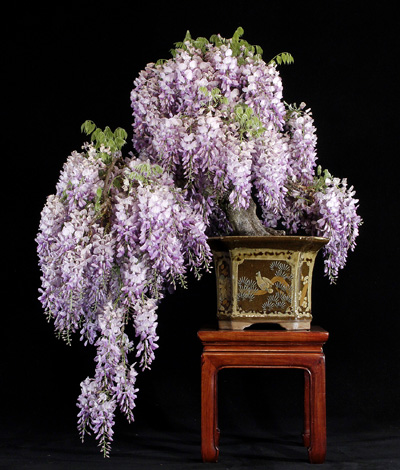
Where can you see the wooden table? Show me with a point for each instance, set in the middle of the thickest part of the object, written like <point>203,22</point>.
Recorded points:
<point>301,349</point>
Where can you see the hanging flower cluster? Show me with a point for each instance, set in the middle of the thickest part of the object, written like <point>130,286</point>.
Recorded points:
<point>214,117</point>
<point>113,238</point>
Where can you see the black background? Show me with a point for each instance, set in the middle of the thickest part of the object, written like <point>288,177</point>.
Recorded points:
<point>65,64</point>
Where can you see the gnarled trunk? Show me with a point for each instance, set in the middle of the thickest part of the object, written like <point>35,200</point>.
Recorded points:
<point>246,222</point>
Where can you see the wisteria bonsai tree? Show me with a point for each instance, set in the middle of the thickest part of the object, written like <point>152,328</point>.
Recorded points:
<point>216,150</point>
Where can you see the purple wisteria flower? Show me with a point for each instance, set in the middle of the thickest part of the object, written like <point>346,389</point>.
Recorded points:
<point>116,235</point>
<point>214,117</point>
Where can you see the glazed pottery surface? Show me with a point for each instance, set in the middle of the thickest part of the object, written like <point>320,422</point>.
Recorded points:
<point>264,280</point>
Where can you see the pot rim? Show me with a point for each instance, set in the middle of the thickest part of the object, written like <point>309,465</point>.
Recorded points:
<point>289,242</point>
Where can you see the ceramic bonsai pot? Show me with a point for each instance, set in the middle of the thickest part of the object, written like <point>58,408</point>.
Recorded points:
<point>264,280</point>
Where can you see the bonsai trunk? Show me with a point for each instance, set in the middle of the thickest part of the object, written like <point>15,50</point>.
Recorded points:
<point>246,222</point>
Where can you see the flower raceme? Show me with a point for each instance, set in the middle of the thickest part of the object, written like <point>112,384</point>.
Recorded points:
<point>214,117</point>
<point>103,270</point>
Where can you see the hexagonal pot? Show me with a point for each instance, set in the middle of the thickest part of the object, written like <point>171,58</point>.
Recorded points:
<point>264,280</point>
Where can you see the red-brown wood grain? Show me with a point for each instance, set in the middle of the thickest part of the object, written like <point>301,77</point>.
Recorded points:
<point>265,349</point>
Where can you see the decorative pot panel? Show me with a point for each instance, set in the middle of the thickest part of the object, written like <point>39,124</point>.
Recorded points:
<point>264,280</point>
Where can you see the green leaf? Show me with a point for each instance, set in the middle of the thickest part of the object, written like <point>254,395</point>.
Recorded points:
<point>237,34</point>
<point>108,133</point>
<point>121,133</point>
<point>88,127</point>
<point>105,157</point>
<point>110,144</point>
<point>120,142</point>
<point>248,47</point>
<point>157,169</point>
<point>238,111</point>
<point>200,43</point>
<point>216,40</point>
<point>282,58</point>
<point>235,49</point>
<point>97,136</point>
<point>259,50</point>
<point>117,183</point>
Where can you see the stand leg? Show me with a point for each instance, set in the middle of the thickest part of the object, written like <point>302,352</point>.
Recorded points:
<point>209,413</point>
<point>306,432</point>
<point>317,448</point>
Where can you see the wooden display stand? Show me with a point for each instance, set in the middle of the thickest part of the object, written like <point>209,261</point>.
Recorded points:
<point>265,349</point>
